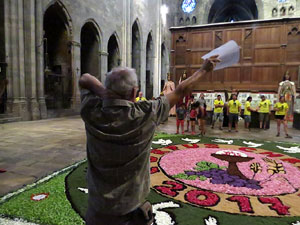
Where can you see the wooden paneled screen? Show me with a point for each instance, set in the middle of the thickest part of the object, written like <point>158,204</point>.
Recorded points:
<point>267,49</point>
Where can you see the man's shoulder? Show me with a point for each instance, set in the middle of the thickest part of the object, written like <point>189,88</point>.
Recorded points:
<point>152,103</point>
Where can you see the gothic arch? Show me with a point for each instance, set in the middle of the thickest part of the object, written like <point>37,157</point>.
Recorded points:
<point>227,10</point>
<point>149,65</point>
<point>90,39</point>
<point>136,48</point>
<point>138,23</point>
<point>114,53</point>
<point>96,27</point>
<point>66,15</point>
<point>58,72</point>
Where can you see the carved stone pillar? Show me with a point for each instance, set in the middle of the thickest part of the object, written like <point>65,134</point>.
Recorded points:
<point>157,53</point>
<point>30,60</point>
<point>76,75</point>
<point>16,59</point>
<point>8,51</point>
<point>24,113</point>
<point>104,56</point>
<point>40,58</point>
<point>143,68</point>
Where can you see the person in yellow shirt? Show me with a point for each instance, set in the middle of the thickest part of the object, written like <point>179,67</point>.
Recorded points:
<point>264,112</point>
<point>281,108</point>
<point>233,111</point>
<point>218,112</point>
<point>247,112</point>
<point>140,98</point>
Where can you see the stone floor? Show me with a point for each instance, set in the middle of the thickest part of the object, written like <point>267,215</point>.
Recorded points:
<point>34,149</point>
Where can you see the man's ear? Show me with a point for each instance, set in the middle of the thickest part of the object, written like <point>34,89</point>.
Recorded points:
<point>133,93</point>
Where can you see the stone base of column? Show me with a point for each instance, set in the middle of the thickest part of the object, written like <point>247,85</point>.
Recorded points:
<point>42,108</point>
<point>35,111</point>
<point>20,109</point>
<point>9,106</point>
<point>75,105</point>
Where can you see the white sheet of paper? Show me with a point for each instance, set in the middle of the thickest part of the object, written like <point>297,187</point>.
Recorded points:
<point>229,54</point>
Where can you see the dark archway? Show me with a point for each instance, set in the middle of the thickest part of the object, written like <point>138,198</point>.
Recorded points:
<point>232,10</point>
<point>3,91</point>
<point>113,53</point>
<point>149,66</point>
<point>58,58</point>
<point>90,48</point>
<point>136,51</point>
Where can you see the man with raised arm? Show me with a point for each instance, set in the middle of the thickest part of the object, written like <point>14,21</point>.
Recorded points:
<point>119,136</point>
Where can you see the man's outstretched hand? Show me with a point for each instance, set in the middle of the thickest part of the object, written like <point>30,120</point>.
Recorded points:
<point>210,63</point>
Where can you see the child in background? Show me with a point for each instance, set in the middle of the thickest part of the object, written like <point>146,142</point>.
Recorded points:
<point>180,115</point>
<point>202,114</point>
<point>189,107</point>
<point>193,116</point>
<point>281,109</point>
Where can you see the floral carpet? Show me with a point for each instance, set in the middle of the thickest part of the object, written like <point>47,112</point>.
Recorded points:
<point>194,181</point>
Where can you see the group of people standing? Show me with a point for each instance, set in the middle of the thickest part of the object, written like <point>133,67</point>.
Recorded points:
<point>195,110</point>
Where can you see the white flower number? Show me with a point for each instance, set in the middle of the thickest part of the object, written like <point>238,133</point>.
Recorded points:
<point>85,190</point>
<point>39,197</point>
<point>290,150</point>
<point>161,217</point>
<point>252,144</point>
<point>191,141</point>
<point>211,221</point>
<point>229,142</point>
<point>296,223</point>
<point>162,142</point>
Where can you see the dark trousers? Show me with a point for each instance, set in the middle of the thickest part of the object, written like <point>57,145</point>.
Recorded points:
<point>140,216</point>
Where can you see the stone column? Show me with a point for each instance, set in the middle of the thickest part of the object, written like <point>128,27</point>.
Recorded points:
<point>17,59</point>
<point>20,32</point>
<point>103,61</point>
<point>157,53</point>
<point>143,66</point>
<point>14,58</point>
<point>76,73</point>
<point>8,51</point>
<point>129,34</point>
<point>126,40</point>
<point>99,77</point>
<point>30,60</point>
<point>39,43</point>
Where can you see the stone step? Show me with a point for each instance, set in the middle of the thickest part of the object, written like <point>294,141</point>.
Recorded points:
<point>5,115</point>
<point>9,119</point>
<point>61,113</point>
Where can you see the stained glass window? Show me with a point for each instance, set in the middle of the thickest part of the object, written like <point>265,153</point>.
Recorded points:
<point>188,5</point>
